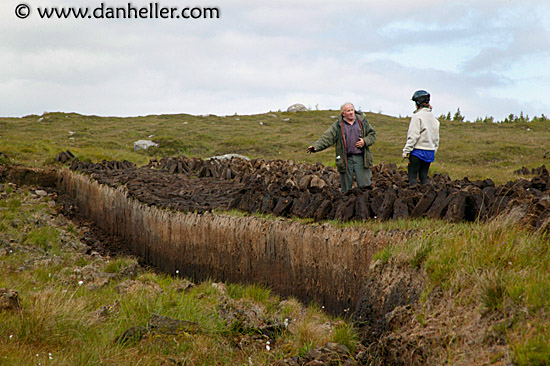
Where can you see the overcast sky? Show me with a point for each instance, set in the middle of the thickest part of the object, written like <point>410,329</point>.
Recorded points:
<point>488,58</point>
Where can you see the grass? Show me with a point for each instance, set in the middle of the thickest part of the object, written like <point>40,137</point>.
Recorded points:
<point>64,320</point>
<point>498,268</point>
<point>473,150</point>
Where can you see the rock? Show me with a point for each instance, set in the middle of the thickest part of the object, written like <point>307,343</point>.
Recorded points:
<point>331,354</point>
<point>9,299</point>
<point>158,324</point>
<point>105,311</point>
<point>168,326</point>
<point>130,271</point>
<point>133,286</point>
<point>144,145</point>
<point>337,348</point>
<point>243,317</point>
<point>220,287</point>
<point>297,108</point>
<point>292,361</point>
<point>41,193</point>
<point>91,276</point>
<point>183,286</point>
<point>229,157</point>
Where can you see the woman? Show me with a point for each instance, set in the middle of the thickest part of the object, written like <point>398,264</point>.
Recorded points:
<point>422,139</point>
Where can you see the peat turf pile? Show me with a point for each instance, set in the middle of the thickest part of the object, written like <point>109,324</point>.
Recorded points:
<point>286,188</point>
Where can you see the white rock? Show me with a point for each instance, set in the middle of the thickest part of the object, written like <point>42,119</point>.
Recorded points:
<point>229,156</point>
<point>41,193</point>
<point>297,108</point>
<point>144,144</point>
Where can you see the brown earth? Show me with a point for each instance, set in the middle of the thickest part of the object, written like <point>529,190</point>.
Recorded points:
<point>441,330</point>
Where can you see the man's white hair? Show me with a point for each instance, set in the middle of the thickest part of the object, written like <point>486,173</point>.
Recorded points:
<point>345,105</point>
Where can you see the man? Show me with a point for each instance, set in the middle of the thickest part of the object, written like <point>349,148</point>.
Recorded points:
<point>352,135</point>
<point>422,139</point>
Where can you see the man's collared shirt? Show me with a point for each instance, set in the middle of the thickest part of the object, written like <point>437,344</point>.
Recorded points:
<point>353,134</point>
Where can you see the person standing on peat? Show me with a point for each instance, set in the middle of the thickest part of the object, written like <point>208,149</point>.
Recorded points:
<point>422,139</point>
<point>352,135</point>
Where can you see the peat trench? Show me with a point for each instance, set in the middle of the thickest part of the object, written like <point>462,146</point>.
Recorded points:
<point>169,223</point>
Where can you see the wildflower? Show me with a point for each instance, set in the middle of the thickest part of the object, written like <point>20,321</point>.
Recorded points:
<point>80,283</point>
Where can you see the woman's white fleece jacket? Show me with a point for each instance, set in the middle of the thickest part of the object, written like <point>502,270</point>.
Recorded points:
<point>423,131</point>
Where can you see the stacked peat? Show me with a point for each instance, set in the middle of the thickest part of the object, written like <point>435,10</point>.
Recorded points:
<point>286,188</point>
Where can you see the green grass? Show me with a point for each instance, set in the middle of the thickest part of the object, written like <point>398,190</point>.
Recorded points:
<point>498,268</point>
<point>474,150</point>
<point>45,238</point>
<point>60,323</point>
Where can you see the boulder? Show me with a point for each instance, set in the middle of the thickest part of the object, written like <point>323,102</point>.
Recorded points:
<point>297,108</point>
<point>144,145</point>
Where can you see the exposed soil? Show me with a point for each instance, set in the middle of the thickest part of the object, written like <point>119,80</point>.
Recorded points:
<point>440,330</point>
<point>95,239</point>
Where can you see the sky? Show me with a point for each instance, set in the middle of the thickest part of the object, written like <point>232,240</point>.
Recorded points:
<point>485,57</point>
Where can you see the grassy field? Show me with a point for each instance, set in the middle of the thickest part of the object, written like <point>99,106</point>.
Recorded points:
<point>499,269</point>
<point>70,318</point>
<point>473,150</point>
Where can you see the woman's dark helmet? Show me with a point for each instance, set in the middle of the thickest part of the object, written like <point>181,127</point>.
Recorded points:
<point>421,97</point>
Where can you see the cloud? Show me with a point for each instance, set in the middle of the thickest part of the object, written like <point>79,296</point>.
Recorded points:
<point>526,42</point>
<point>486,57</point>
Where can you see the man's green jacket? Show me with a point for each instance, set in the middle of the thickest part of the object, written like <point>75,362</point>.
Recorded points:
<point>335,135</point>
